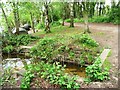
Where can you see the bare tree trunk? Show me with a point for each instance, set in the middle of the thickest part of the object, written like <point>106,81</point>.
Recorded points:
<point>32,22</point>
<point>6,20</point>
<point>71,15</point>
<point>16,17</point>
<point>85,15</point>
<point>86,24</point>
<point>63,15</point>
<point>47,23</point>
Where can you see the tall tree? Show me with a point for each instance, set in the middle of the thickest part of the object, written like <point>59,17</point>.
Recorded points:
<point>47,23</point>
<point>85,5</point>
<point>63,14</point>
<point>71,14</point>
<point>6,20</point>
<point>16,16</point>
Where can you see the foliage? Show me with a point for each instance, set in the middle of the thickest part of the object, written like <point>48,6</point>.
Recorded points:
<point>86,40</point>
<point>54,73</point>
<point>99,19</point>
<point>26,80</point>
<point>8,49</point>
<point>55,23</point>
<point>94,72</point>
<point>114,15</point>
<point>10,42</point>
<point>6,78</point>
<point>44,49</point>
<point>40,26</point>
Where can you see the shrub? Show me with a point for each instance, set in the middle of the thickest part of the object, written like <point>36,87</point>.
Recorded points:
<point>100,19</point>
<point>55,23</point>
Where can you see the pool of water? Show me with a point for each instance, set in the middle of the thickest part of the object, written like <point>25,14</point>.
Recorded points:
<point>75,70</point>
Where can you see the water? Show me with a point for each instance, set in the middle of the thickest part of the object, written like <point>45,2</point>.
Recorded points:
<point>75,70</point>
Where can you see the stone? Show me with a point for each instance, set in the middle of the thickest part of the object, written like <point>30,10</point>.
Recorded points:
<point>104,55</point>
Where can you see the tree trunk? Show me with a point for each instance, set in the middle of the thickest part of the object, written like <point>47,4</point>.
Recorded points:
<point>6,20</point>
<point>47,23</point>
<point>71,15</point>
<point>85,15</point>
<point>86,24</point>
<point>32,22</point>
<point>100,9</point>
<point>16,17</point>
<point>97,9</point>
<point>63,15</point>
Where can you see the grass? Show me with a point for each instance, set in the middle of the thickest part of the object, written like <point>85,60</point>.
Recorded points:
<point>59,30</point>
<point>107,64</point>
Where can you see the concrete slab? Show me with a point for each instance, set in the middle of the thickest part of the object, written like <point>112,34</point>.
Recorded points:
<point>104,55</point>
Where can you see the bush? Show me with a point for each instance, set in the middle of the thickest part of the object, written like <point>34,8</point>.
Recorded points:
<point>55,23</point>
<point>99,19</point>
<point>68,20</point>
<point>114,15</point>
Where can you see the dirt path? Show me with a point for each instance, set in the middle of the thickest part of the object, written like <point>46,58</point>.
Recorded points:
<point>107,36</point>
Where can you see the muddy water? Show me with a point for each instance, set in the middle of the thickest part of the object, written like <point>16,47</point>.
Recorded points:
<point>75,70</point>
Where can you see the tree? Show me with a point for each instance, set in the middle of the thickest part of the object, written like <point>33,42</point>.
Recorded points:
<point>63,13</point>
<point>6,20</point>
<point>47,23</point>
<point>85,5</point>
<point>16,16</point>
<point>92,8</point>
<point>71,15</point>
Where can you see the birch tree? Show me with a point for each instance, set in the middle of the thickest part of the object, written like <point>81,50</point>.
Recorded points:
<point>71,14</point>
<point>16,16</point>
<point>47,23</point>
<point>5,17</point>
<point>85,5</point>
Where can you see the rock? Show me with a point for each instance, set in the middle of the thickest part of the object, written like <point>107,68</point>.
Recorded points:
<point>80,79</point>
<point>115,78</point>
<point>21,30</point>
<point>13,59</point>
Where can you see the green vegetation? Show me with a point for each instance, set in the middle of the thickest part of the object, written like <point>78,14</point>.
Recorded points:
<point>10,42</point>
<point>95,72</point>
<point>50,48</point>
<point>57,43</point>
<point>96,19</point>
<point>54,73</point>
